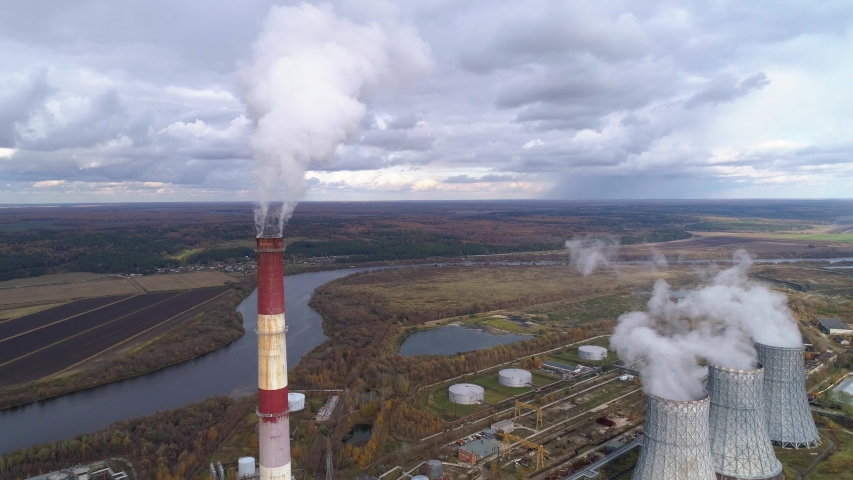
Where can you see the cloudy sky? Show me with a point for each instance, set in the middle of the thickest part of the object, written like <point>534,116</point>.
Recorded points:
<point>141,101</point>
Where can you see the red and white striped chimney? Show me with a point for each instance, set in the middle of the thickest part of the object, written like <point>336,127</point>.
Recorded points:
<point>274,429</point>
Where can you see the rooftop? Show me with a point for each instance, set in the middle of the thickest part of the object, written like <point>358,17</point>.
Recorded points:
<point>833,324</point>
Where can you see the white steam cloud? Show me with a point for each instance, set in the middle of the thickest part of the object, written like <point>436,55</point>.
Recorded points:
<point>717,323</point>
<point>589,253</point>
<point>305,86</point>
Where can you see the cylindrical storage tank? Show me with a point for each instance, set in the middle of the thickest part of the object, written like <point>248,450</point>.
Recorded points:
<point>420,477</point>
<point>676,441</point>
<point>295,402</point>
<point>433,469</point>
<point>466,393</point>
<point>592,352</point>
<point>245,466</point>
<point>515,377</point>
<point>790,422</point>
<point>740,444</point>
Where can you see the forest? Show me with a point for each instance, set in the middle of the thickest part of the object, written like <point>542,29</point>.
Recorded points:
<point>141,238</point>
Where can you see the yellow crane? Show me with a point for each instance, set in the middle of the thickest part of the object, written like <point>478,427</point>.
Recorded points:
<point>509,438</point>
<point>519,406</point>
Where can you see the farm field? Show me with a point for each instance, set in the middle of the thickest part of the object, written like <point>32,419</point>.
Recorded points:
<point>68,291</point>
<point>52,279</point>
<point>182,281</point>
<point>30,346</point>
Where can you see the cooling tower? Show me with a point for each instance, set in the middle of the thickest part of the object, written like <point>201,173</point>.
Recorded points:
<point>740,444</point>
<point>789,419</point>
<point>274,425</point>
<point>676,442</point>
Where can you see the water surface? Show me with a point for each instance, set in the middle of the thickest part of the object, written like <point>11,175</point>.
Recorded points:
<point>452,339</point>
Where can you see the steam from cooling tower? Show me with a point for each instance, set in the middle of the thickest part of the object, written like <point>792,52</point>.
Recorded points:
<point>717,322</point>
<point>590,253</point>
<point>305,86</point>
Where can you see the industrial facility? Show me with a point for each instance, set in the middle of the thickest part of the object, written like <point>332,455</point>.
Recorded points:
<point>676,441</point>
<point>515,377</point>
<point>592,353</point>
<point>740,443</point>
<point>790,421</point>
<point>466,393</point>
<point>273,400</point>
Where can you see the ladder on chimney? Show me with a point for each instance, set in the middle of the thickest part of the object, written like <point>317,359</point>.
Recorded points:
<point>329,467</point>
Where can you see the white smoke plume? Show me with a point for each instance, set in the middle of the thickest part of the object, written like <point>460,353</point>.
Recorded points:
<point>717,323</point>
<point>590,253</point>
<point>658,259</point>
<point>310,72</point>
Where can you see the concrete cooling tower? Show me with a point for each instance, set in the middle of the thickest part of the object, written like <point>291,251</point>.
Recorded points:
<point>676,442</point>
<point>790,421</point>
<point>740,444</point>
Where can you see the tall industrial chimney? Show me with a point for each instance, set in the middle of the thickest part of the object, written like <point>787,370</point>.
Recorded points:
<point>274,428</point>
<point>676,442</point>
<point>740,444</point>
<point>789,418</point>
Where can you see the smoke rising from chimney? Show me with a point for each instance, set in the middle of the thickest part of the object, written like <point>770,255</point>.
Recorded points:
<point>717,323</point>
<point>305,86</point>
<point>590,253</point>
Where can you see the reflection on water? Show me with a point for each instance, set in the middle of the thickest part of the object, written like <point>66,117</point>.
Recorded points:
<point>452,339</point>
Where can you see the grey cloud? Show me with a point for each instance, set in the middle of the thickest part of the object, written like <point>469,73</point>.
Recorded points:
<point>19,105</point>
<point>397,140</point>
<point>726,89</point>
<point>404,122</point>
<point>490,178</point>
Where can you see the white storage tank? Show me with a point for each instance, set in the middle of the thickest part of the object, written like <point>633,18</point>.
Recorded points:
<point>592,352</point>
<point>466,393</point>
<point>295,402</point>
<point>420,477</point>
<point>515,377</point>
<point>245,467</point>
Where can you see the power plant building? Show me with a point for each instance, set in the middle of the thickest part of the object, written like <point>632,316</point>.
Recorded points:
<point>740,443</point>
<point>676,441</point>
<point>515,377</point>
<point>466,393</point>
<point>790,422</point>
<point>592,353</point>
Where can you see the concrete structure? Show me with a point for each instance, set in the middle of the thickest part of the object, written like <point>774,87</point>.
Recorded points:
<point>740,443</point>
<point>466,393</point>
<point>846,386</point>
<point>506,426</point>
<point>295,402</point>
<point>790,422</point>
<point>245,467</point>
<point>515,377</point>
<point>592,353</point>
<point>834,326</point>
<point>676,441</point>
<point>274,425</point>
<point>434,469</point>
<point>94,471</point>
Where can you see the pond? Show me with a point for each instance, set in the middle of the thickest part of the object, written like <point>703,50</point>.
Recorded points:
<point>359,434</point>
<point>453,339</point>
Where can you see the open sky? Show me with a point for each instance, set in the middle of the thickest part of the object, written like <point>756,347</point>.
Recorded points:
<point>141,100</point>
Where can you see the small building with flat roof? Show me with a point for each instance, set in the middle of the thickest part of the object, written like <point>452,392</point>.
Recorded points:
<point>834,326</point>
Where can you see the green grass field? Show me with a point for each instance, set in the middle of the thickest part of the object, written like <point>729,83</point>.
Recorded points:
<point>817,237</point>
<point>51,279</point>
<point>507,325</point>
<point>490,383</point>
